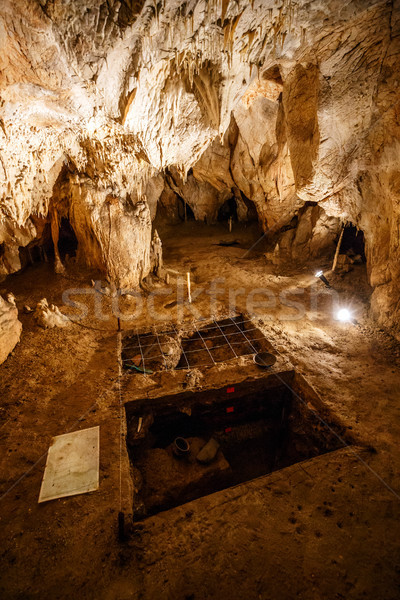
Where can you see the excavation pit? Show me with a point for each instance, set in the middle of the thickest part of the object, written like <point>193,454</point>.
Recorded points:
<point>235,434</point>
<point>197,345</point>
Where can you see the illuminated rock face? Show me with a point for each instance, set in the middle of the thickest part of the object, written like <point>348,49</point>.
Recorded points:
<point>109,108</point>
<point>10,328</point>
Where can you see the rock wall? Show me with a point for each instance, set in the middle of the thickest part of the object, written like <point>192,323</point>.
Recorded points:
<point>111,108</point>
<point>10,328</point>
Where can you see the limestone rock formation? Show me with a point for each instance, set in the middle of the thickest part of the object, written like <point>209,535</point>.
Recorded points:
<point>112,110</point>
<point>49,316</point>
<point>156,254</point>
<point>312,233</point>
<point>10,327</point>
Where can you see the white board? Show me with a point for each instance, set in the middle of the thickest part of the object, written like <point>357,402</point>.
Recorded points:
<point>72,465</point>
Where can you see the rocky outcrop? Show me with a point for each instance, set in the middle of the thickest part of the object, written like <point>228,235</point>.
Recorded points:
<point>49,316</point>
<point>10,327</point>
<point>110,110</point>
<point>312,234</point>
<point>113,233</point>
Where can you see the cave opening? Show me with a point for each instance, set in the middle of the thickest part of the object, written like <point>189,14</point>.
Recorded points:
<point>67,242</point>
<point>36,253</point>
<point>228,210</point>
<point>39,250</point>
<point>353,242</point>
<point>185,213</point>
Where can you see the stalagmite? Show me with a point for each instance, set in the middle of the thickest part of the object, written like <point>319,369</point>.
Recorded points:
<point>49,316</point>
<point>55,234</point>
<point>156,254</point>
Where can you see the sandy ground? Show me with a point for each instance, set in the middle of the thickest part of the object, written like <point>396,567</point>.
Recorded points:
<point>323,529</point>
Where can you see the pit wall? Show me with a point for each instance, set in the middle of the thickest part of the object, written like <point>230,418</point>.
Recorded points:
<point>311,428</point>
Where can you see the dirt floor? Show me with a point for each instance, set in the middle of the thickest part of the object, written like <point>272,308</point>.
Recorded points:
<point>325,528</point>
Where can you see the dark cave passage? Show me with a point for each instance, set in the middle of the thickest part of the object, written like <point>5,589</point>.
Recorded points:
<point>353,242</point>
<point>228,210</point>
<point>185,213</point>
<point>67,243</point>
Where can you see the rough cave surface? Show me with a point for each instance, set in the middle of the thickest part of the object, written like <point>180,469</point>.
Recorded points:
<point>10,328</point>
<point>114,111</point>
<point>131,133</point>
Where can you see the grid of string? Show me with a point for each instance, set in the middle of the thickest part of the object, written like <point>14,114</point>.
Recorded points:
<point>235,337</point>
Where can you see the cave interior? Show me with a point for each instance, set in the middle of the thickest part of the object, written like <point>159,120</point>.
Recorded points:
<point>200,257</point>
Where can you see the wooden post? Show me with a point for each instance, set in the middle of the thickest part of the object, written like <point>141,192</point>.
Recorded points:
<point>337,249</point>
<point>188,287</point>
<point>230,224</point>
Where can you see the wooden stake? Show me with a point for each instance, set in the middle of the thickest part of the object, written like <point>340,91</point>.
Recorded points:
<point>337,249</point>
<point>188,287</point>
<point>230,224</point>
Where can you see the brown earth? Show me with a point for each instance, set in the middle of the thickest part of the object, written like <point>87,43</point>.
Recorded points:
<point>327,528</point>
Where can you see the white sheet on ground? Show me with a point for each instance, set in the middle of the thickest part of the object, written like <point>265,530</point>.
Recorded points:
<point>72,465</point>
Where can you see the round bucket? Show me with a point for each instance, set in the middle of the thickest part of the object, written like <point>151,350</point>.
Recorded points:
<point>264,359</point>
<point>181,447</point>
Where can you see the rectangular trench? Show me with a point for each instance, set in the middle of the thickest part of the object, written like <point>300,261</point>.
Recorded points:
<point>235,433</point>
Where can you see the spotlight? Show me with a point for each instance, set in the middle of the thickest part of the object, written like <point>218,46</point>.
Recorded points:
<point>320,275</point>
<point>344,315</point>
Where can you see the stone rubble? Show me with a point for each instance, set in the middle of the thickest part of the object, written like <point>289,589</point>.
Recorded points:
<point>49,316</point>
